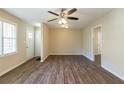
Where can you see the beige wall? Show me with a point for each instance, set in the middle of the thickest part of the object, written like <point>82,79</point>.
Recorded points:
<point>9,62</point>
<point>112,42</point>
<point>65,42</point>
<point>45,35</point>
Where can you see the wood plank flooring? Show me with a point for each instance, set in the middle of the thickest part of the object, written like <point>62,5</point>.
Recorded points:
<point>59,70</point>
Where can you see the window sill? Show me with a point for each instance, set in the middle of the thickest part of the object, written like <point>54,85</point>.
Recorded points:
<point>9,54</point>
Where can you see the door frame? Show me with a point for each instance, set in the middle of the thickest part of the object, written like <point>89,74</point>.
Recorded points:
<point>92,41</point>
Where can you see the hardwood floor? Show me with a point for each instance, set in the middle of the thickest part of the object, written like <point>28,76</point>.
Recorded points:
<point>59,70</point>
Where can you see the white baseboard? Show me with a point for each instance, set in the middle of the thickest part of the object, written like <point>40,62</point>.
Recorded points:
<point>104,67</point>
<point>42,60</point>
<point>89,57</point>
<point>4,72</point>
<point>113,72</point>
<point>65,53</point>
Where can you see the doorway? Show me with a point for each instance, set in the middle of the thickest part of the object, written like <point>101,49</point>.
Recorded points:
<point>97,44</point>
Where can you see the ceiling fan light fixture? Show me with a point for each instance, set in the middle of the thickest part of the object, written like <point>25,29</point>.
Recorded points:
<point>62,21</point>
<point>63,16</point>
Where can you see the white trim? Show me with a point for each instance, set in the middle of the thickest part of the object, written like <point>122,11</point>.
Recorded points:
<point>42,60</point>
<point>8,54</point>
<point>107,69</point>
<point>89,57</point>
<point>114,73</point>
<point>16,38</point>
<point>65,53</point>
<point>4,72</point>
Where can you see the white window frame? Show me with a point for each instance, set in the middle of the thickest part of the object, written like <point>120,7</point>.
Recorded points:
<point>13,23</point>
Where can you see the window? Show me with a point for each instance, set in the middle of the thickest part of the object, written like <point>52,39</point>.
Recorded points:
<point>7,38</point>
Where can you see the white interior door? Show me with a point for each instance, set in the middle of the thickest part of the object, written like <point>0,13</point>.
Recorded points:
<point>38,41</point>
<point>30,43</point>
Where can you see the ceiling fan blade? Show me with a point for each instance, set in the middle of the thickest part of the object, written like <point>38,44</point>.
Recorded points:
<point>73,18</point>
<point>52,19</point>
<point>71,11</point>
<point>53,13</point>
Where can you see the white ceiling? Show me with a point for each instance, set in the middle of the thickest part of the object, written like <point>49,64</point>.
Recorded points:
<point>39,15</point>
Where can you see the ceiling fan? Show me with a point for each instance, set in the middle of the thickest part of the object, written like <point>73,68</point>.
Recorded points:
<point>63,15</point>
